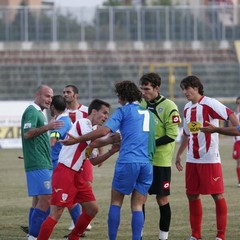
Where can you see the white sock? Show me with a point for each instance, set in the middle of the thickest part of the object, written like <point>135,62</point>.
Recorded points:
<point>163,235</point>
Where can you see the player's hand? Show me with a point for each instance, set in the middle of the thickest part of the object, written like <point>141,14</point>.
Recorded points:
<point>55,124</point>
<point>178,164</point>
<point>208,129</point>
<point>69,140</point>
<point>115,148</point>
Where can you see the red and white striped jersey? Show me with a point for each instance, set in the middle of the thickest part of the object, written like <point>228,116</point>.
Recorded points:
<point>203,147</point>
<point>80,112</point>
<point>72,156</point>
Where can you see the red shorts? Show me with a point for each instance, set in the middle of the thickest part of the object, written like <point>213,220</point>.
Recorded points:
<point>204,178</point>
<point>236,150</point>
<point>87,170</point>
<point>69,187</point>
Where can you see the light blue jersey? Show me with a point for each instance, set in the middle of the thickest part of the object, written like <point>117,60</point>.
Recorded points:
<point>137,128</point>
<point>59,134</point>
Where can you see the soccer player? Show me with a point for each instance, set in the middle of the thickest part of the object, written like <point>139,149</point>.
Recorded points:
<point>236,145</point>
<point>77,111</point>
<point>57,109</point>
<point>167,119</point>
<point>203,164</point>
<point>68,183</point>
<point>133,170</point>
<point>37,160</point>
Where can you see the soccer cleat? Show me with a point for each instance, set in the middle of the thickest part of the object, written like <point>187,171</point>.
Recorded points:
<point>238,185</point>
<point>217,238</point>
<point>193,238</point>
<point>89,227</point>
<point>24,229</point>
<point>71,227</point>
<point>31,238</point>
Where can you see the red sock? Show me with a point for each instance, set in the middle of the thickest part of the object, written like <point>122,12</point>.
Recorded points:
<point>46,229</point>
<point>221,217</point>
<point>238,173</point>
<point>195,208</point>
<point>80,226</point>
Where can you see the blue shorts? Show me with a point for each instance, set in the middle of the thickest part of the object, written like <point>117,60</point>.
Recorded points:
<point>39,182</point>
<point>132,176</point>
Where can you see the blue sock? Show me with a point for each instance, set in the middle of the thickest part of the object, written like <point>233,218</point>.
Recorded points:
<point>137,224</point>
<point>75,213</point>
<point>30,216</point>
<point>38,217</point>
<point>113,221</point>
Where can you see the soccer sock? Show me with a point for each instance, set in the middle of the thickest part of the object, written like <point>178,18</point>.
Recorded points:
<point>221,217</point>
<point>46,228</point>
<point>80,226</point>
<point>165,217</point>
<point>75,212</point>
<point>38,216</point>
<point>113,221</point>
<point>195,208</point>
<point>30,215</point>
<point>238,174</point>
<point>137,224</point>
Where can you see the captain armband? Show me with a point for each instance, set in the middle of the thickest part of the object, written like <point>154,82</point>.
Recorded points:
<point>55,135</point>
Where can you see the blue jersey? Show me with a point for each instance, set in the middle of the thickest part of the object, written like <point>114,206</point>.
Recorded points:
<point>60,134</point>
<point>137,130</point>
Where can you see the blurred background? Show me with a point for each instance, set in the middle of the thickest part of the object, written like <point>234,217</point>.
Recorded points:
<point>93,44</point>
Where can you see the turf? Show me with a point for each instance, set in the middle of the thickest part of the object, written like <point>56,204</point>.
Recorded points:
<point>14,202</point>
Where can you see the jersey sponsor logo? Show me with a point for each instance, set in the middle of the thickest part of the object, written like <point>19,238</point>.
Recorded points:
<point>194,127</point>
<point>216,179</point>
<point>47,184</point>
<point>166,185</point>
<point>27,125</point>
<point>175,119</point>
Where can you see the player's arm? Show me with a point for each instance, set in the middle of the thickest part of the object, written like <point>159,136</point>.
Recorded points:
<point>99,132</point>
<point>171,129</point>
<point>34,132</point>
<point>180,151</point>
<point>110,138</point>
<point>101,158</point>
<point>54,137</point>
<point>229,131</point>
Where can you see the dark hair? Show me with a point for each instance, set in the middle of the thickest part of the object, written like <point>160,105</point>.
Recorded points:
<point>238,98</point>
<point>74,88</point>
<point>192,81</point>
<point>97,104</point>
<point>59,103</point>
<point>153,78</point>
<point>127,90</point>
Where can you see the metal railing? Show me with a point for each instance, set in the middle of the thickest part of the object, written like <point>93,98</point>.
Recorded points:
<point>175,23</point>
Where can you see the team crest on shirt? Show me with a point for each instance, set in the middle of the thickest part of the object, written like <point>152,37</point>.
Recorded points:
<point>47,184</point>
<point>160,110</point>
<point>27,125</point>
<point>193,127</point>
<point>175,119</point>
<point>64,197</point>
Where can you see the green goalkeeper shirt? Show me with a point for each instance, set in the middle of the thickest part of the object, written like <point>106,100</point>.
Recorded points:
<point>167,119</point>
<point>36,150</point>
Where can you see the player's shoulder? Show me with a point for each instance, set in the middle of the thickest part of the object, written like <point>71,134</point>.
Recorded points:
<point>83,108</point>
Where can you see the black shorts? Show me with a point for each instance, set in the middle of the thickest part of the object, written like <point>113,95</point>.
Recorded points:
<point>161,181</point>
